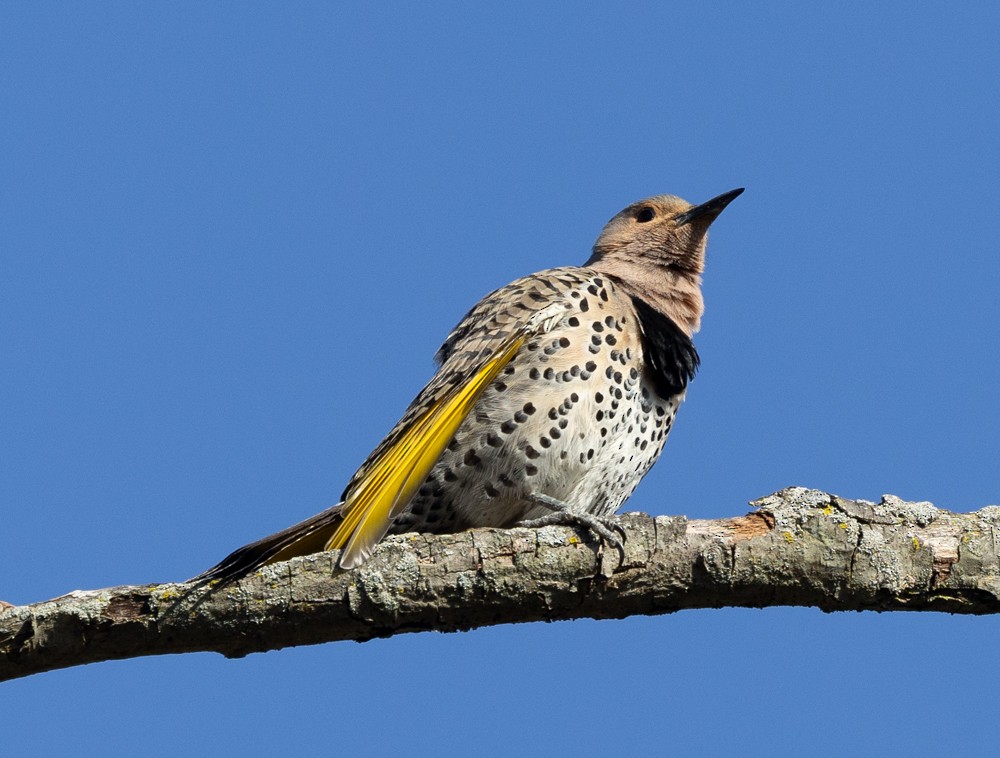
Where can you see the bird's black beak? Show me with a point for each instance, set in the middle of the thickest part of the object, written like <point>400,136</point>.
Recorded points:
<point>707,212</point>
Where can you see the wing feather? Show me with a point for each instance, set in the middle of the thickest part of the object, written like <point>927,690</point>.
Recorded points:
<point>392,479</point>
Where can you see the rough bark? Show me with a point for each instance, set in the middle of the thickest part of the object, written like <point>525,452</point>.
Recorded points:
<point>799,547</point>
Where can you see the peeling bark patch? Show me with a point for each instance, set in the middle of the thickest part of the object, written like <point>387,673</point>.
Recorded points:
<point>865,512</point>
<point>752,525</point>
<point>127,608</point>
<point>941,569</point>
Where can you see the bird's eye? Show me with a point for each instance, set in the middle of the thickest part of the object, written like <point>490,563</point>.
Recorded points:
<point>645,214</point>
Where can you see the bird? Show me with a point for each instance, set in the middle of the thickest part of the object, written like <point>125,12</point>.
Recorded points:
<point>552,398</point>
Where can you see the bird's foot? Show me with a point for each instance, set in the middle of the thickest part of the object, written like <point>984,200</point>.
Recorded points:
<point>562,515</point>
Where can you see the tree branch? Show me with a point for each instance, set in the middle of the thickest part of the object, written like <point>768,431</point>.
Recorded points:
<point>799,547</point>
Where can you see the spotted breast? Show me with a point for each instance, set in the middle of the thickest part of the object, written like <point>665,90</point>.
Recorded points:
<point>579,414</point>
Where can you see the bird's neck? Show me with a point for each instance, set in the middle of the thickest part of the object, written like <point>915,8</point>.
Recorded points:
<point>675,294</point>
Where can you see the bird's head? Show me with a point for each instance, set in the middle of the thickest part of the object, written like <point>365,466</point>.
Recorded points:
<point>662,230</point>
<point>656,247</point>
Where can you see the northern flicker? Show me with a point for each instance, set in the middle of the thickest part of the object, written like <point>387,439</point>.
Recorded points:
<point>553,397</point>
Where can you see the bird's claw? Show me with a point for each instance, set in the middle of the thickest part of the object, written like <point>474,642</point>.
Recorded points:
<point>604,527</point>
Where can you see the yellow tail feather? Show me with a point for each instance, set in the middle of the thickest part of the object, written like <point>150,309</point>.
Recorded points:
<point>394,478</point>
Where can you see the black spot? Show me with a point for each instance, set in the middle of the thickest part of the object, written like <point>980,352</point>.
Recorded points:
<point>510,369</point>
<point>563,342</point>
<point>506,480</point>
<point>574,398</point>
<point>553,414</point>
<point>530,470</point>
<point>507,427</point>
<point>611,339</point>
<point>549,373</point>
<point>450,476</point>
<point>520,417</point>
<point>563,422</point>
<point>599,415</point>
<point>531,452</point>
<point>490,490</point>
<point>471,459</point>
<point>598,397</point>
<point>555,433</point>
<point>598,326</point>
<point>573,321</point>
<point>544,442</point>
<point>499,386</point>
<point>528,408</point>
<point>592,289</point>
<point>584,305</point>
<point>493,440</point>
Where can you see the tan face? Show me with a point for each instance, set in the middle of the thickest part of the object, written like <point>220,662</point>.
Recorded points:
<point>648,232</point>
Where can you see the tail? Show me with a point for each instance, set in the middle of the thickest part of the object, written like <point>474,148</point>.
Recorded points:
<point>309,536</point>
<point>381,489</point>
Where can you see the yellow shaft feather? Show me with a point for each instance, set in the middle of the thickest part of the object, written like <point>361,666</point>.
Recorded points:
<point>394,478</point>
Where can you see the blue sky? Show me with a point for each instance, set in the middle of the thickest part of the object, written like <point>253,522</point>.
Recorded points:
<point>233,235</point>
